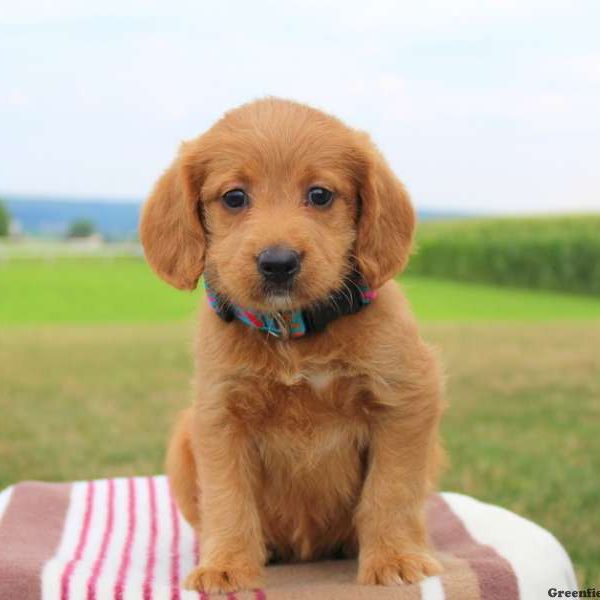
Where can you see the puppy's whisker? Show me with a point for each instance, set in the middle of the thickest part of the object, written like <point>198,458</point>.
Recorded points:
<point>335,304</point>
<point>347,292</point>
<point>352,282</point>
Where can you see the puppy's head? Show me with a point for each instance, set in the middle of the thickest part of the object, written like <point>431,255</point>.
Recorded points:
<point>277,203</point>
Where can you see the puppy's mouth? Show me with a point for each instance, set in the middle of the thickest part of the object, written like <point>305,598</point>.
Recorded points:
<point>279,295</point>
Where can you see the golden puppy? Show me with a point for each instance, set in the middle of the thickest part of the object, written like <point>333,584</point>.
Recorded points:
<point>315,428</point>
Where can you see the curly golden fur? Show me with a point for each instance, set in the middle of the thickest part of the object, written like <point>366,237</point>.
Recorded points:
<point>318,446</point>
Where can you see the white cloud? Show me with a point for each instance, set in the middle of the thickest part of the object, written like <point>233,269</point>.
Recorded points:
<point>586,66</point>
<point>14,98</point>
<point>436,17</point>
<point>51,11</point>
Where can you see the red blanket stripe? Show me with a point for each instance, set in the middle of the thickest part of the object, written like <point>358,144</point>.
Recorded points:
<point>126,555</point>
<point>175,594</point>
<point>151,560</point>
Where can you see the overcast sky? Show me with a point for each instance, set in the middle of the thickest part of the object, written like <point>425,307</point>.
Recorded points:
<point>479,105</point>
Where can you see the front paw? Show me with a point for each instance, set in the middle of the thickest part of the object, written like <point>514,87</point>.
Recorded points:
<point>394,568</point>
<point>205,578</point>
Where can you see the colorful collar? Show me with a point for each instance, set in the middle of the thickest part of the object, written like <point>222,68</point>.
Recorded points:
<point>297,323</point>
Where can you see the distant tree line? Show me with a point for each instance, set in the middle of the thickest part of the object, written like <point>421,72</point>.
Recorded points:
<point>4,219</point>
<point>554,253</point>
<point>81,228</point>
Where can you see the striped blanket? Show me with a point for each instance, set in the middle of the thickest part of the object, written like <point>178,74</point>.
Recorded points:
<point>124,539</point>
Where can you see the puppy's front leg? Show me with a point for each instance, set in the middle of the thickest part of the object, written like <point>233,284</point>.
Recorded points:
<point>232,552</point>
<point>390,520</point>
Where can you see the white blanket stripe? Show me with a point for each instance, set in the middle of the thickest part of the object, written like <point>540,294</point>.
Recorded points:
<point>5,499</point>
<point>141,539</point>
<point>432,589</point>
<point>124,559</point>
<point>162,572</point>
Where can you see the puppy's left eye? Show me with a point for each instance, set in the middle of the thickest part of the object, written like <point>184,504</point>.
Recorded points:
<point>235,200</point>
<point>320,197</point>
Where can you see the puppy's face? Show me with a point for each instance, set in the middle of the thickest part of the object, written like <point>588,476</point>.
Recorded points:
<point>277,203</point>
<point>279,208</point>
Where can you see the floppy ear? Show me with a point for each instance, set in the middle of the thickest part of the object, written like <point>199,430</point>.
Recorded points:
<point>171,231</point>
<point>386,221</point>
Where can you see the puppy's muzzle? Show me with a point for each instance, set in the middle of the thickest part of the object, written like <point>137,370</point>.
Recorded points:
<point>278,265</point>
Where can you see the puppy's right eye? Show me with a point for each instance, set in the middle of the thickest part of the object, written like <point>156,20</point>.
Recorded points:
<point>235,199</point>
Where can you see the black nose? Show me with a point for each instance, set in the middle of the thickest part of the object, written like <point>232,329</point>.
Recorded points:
<point>278,264</point>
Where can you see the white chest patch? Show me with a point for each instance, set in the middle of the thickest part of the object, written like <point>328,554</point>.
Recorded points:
<point>319,380</point>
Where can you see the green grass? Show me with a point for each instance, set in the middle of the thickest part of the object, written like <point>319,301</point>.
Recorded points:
<point>442,300</point>
<point>124,290</point>
<point>87,290</point>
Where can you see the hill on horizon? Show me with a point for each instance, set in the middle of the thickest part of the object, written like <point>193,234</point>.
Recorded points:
<point>51,216</point>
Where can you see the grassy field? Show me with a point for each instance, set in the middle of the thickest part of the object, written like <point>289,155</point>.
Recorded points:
<point>123,290</point>
<point>96,358</point>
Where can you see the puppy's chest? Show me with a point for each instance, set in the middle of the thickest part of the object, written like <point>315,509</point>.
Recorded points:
<point>315,419</point>
<point>305,402</point>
